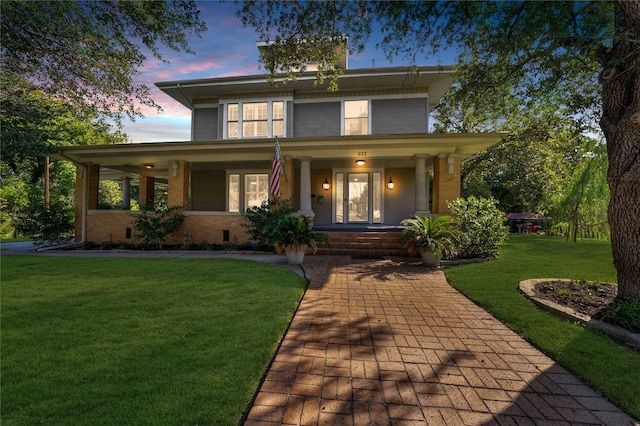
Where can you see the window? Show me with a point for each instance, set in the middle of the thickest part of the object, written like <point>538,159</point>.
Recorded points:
<point>255,119</point>
<point>256,189</point>
<point>277,119</point>
<point>356,117</point>
<point>232,120</point>
<point>248,192</point>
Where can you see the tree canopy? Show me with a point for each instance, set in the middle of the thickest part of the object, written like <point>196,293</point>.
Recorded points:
<point>518,58</point>
<point>89,53</point>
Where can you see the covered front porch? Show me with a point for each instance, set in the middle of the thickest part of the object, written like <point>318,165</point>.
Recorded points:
<point>343,183</point>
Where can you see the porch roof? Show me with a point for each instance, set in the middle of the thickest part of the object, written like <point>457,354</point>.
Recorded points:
<point>383,150</point>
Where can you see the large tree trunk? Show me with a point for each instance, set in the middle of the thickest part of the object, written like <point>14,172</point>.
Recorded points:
<point>621,126</point>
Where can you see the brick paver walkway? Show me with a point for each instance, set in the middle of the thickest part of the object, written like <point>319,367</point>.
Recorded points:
<point>378,342</point>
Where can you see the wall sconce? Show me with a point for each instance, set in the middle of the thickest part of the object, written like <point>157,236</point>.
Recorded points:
<point>390,184</point>
<point>325,185</point>
<point>148,166</point>
<point>450,164</point>
<point>360,162</point>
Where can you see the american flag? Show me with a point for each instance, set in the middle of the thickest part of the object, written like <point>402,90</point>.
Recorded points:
<point>276,167</point>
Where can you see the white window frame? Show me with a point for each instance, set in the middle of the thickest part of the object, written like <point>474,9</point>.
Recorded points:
<point>242,196</point>
<point>270,120</point>
<point>343,118</point>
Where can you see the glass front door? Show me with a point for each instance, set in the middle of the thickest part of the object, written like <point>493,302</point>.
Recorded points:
<point>358,197</point>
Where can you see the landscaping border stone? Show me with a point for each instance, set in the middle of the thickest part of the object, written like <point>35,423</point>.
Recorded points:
<point>527,287</point>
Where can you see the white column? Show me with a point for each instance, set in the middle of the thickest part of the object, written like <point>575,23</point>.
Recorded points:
<point>422,198</point>
<point>305,187</point>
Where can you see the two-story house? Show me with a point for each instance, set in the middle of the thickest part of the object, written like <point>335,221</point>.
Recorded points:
<point>357,159</point>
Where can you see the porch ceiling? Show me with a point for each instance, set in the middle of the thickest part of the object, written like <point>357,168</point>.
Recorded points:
<point>384,151</point>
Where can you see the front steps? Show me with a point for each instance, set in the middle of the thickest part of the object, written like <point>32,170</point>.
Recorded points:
<point>363,244</point>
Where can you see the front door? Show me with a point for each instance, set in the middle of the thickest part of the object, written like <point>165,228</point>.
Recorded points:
<point>358,197</point>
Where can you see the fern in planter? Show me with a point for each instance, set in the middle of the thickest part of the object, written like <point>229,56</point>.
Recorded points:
<point>438,235</point>
<point>293,233</point>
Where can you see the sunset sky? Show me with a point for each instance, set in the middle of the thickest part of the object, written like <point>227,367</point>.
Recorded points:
<point>226,49</point>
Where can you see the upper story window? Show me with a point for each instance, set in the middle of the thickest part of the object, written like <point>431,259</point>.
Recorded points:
<point>356,117</point>
<point>255,119</point>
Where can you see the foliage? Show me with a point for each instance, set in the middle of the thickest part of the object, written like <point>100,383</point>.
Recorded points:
<point>50,225</point>
<point>109,195</point>
<point>577,59</point>
<point>439,235</point>
<point>13,203</point>
<point>87,53</point>
<point>138,341</point>
<point>34,124</point>
<point>625,313</point>
<point>482,224</point>
<point>262,218</point>
<point>612,369</point>
<point>294,233</point>
<point>583,203</point>
<point>154,224</point>
<point>529,168</point>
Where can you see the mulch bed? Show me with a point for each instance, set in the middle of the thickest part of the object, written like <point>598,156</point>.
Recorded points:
<point>586,297</point>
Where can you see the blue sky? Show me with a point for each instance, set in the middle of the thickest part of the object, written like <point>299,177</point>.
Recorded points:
<point>226,49</point>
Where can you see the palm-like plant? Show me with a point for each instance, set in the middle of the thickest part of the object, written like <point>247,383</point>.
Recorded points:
<point>438,235</point>
<point>292,233</point>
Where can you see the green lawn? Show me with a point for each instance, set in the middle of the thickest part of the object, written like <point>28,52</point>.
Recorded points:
<point>14,240</point>
<point>138,341</point>
<point>611,368</point>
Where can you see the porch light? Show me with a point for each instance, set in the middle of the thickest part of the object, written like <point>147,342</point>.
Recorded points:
<point>360,162</point>
<point>325,185</point>
<point>148,166</point>
<point>390,184</point>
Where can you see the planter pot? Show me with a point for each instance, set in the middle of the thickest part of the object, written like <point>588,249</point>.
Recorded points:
<point>429,258</point>
<point>295,257</point>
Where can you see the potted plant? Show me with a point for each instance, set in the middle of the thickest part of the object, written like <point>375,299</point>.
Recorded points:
<point>294,236</point>
<point>431,237</point>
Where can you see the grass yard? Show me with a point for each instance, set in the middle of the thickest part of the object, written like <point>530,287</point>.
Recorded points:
<point>14,240</point>
<point>138,341</point>
<point>611,368</point>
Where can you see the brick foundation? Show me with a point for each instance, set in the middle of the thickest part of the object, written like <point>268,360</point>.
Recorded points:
<point>197,228</point>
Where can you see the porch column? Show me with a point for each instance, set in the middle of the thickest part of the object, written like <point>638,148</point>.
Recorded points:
<point>179,173</point>
<point>305,187</point>
<point>86,196</point>
<point>446,181</point>
<point>147,190</point>
<point>422,194</point>
<point>126,193</point>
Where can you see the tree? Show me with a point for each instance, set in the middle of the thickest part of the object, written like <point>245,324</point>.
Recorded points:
<point>32,126</point>
<point>582,58</point>
<point>87,53</point>
<point>583,204</point>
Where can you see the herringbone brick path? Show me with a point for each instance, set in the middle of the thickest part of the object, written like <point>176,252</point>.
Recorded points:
<point>380,342</point>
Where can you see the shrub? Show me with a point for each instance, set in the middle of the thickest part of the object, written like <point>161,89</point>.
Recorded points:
<point>51,226</point>
<point>482,224</point>
<point>263,218</point>
<point>439,235</point>
<point>625,313</point>
<point>154,224</point>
